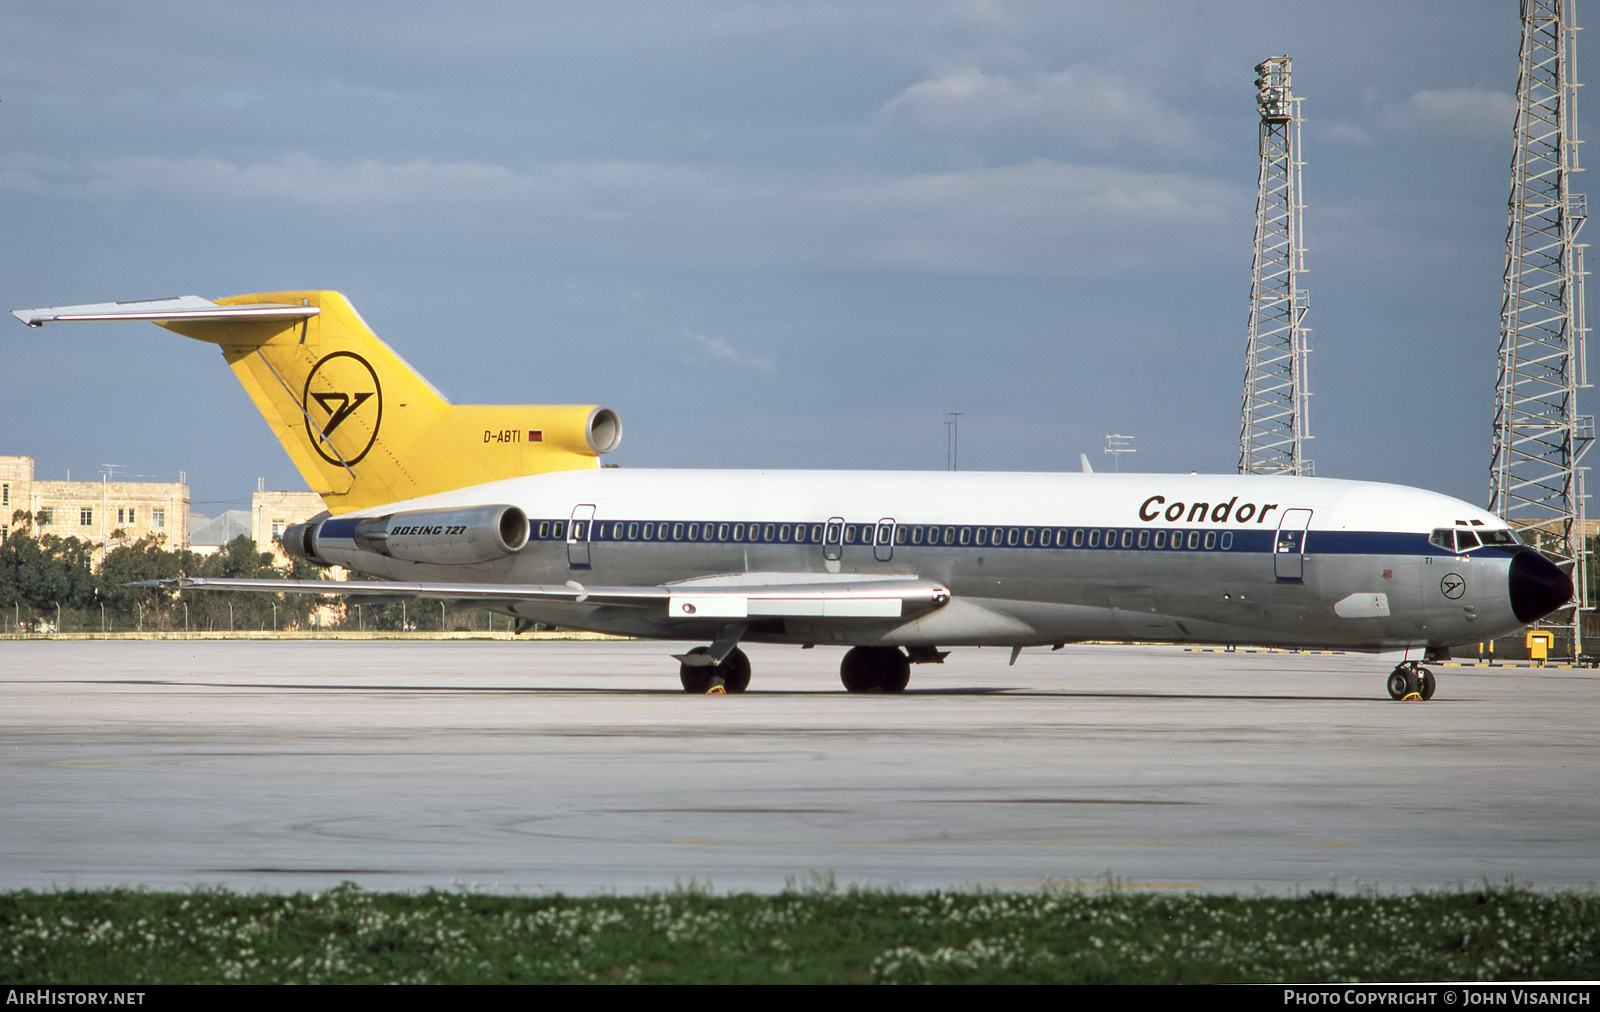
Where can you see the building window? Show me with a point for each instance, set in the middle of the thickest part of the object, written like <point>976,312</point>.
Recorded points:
<point>5,495</point>
<point>277,529</point>
<point>47,517</point>
<point>86,517</point>
<point>158,519</point>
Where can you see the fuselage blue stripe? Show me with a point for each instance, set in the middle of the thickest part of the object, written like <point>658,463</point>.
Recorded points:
<point>1009,538</point>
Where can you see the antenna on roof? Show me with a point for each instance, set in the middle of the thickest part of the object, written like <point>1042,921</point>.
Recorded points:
<point>1116,445</point>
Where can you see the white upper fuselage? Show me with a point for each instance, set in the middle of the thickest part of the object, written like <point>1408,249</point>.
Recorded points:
<point>971,497</point>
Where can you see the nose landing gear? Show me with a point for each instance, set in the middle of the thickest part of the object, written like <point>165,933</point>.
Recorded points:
<point>1411,681</point>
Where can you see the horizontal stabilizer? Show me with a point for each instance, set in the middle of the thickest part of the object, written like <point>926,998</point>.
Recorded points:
<point>183,308</point>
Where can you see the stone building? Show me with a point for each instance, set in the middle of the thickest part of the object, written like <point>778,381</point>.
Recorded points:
<point>271,513</point>
<point>106,512</point>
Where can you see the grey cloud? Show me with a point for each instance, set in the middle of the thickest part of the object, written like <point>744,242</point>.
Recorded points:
<point>718,350</point>
<point>1083,109</point>
<point>1041,218</point>
<point>1481,113</point>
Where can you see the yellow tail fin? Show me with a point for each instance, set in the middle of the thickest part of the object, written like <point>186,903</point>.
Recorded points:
<point>364,429</point>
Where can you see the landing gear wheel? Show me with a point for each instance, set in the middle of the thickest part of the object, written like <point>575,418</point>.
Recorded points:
<point>1403,682</point>
<point>732,675</point>
<point>1426,683</point>
<point>875,669</point>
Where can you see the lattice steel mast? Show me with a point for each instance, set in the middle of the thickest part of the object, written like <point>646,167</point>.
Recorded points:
<point>1535,481</point>
<point>1277,420</point>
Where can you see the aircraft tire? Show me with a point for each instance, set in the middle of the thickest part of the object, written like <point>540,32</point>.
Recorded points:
<point>733,674</point>
<point>735,671</point>
<point>696,679</point>
<point>1426,683</point>
<point>896,673</point>
<point>1402,683</point>
<point>875,669</point>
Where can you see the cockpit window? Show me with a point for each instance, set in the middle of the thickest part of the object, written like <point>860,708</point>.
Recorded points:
<point>1465,541</point>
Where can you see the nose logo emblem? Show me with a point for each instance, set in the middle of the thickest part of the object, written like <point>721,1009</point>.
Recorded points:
<point>1453,585</point>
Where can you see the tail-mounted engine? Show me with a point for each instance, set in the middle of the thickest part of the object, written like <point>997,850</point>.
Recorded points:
<point>447,537</point>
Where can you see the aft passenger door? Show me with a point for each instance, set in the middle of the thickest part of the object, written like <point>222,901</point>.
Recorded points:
<point>1289,550</point>
<point>578,536</point>
<point>883,540</point>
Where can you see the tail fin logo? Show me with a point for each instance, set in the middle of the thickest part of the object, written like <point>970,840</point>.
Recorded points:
<point>343,408</point>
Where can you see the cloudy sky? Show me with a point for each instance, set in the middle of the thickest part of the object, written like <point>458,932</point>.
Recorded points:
<point>767,234</point>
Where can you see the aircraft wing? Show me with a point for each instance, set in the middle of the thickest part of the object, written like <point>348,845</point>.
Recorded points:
<point>184,307</point>
<point>782,596</point>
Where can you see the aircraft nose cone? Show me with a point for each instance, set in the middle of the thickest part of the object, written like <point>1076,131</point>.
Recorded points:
<point>1537,586</point>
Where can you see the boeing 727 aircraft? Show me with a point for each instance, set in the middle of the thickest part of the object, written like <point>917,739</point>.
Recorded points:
<point>507,507</point>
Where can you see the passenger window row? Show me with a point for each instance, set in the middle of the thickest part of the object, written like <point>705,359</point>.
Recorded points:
<point>903,534</point>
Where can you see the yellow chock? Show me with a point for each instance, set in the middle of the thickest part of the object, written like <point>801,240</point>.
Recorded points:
<point>1411,697</point>
<point>716,690</point>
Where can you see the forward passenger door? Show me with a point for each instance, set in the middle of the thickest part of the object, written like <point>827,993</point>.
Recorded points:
<point>1289,550</point>
<point>833,539</point>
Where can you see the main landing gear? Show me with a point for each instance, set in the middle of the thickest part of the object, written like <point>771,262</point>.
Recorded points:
<point>732,675</point>
<point>864,669</point>
<point>1411,681</point>
<point>875,669</point>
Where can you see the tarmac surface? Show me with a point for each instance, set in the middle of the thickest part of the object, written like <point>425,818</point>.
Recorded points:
<point>581,768</point>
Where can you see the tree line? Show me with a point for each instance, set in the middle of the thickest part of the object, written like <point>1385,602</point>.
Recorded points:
<point>49,582</point>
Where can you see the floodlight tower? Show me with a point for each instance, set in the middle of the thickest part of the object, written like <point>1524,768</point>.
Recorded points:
<point>1539,437</point>
<point>1277,420</point>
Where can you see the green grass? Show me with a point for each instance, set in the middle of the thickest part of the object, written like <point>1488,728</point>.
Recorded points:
<point>346,935</point>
